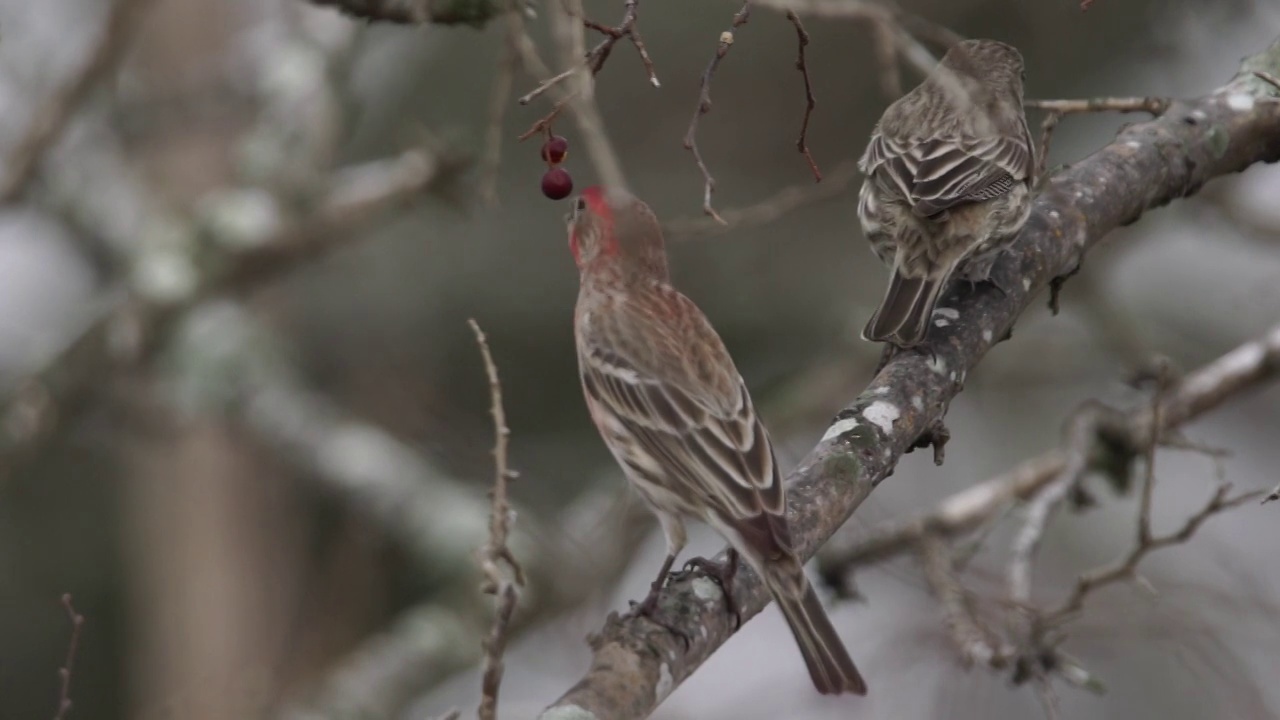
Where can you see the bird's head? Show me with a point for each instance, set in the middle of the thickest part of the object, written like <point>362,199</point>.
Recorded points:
<point>996,65</point>
<point>611,227</point>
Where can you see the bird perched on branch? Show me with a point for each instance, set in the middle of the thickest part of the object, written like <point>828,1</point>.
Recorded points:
<point>948,175</point>
<point>672,408</point>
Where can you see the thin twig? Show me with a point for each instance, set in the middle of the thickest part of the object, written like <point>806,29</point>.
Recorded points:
<point>1082,435</point>
<point>802,144</point>
<point>595,59</point>
<point>1056,109</point>
<point>502,82</point>
<point>1154,106</point>
<point>580,97</point>
<point>49,120</point>
<point>892,31</point>
<point>503,584</point>
<point>1125,567</point>
<point>974,641</point>
<point>543,124</point>
<point>1047,126</point>
<point>772,208</point>
<point>1264,75</point>
<point>1149,474</point>
<point>64,672</point>
<point>704,106</point>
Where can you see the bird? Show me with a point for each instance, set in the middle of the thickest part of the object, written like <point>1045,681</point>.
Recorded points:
<point>670,405</point>
<point>948,176</point>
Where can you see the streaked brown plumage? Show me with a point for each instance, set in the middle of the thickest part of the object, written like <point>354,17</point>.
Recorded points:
<point>672,408</point>
<point>948,175</point>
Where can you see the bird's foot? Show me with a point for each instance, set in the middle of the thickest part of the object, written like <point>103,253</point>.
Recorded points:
<point>649,610</point>
<point>723,575</point>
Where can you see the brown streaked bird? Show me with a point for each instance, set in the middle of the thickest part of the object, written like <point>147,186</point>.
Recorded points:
<point>672,408</point>
<point>948,182</point>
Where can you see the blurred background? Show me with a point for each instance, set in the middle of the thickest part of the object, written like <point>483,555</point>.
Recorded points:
<point>245,424</point>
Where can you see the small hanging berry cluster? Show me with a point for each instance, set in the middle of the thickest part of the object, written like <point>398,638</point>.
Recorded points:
<point>556,182</point>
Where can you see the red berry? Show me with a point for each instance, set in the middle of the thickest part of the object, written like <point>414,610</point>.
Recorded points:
<point>554,149</point>
<point>556,183</point>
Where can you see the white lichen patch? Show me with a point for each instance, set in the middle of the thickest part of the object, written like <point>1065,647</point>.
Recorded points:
<point>917,402</point>
<point>987,335</point>
<point>1133,144</point>
<point>707,590</point>
<point>938,365</point>
<point>839,428</point>
<point>1026,283</point>
<point>882,415</point>
<point>665,684</point>
<point>568,712</point>
<point>1240,102</point>
<point>882,390</point>
<point>941,322</point>
<point>946,312</point>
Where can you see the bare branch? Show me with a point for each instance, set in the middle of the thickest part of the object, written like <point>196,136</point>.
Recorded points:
<point>1242,369</point>
<point>499,94</point>
<point>704,106</point>
<point>1264,75</point>
<point>596,58</point>
<point>1154,106</point>
<point>580,94</point>
<point>64,672</point>
<point>580,97</point>
<point>892,33</point>
<point>252,254</point>
<point>1056,109</point>
<point>975,642</point>
<point>772,208</point>
<point>1082,436</point>
<point>802,144</point>
<point>1125,568</point>
<point>504,584</point>
<point>635,665</point>
<point>49,120</point>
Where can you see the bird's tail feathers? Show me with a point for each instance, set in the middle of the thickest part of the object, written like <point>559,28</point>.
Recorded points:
<point>904,314</point>
<point>829,664</point>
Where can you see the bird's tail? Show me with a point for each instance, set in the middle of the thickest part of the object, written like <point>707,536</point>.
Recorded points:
<point>829,664</point>
<point>904,314</point>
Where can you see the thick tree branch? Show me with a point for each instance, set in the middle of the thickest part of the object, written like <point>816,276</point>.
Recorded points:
<point>51,118</point>
<point>253,242</point>
<point>1245,367</point>
<point>636,664</point>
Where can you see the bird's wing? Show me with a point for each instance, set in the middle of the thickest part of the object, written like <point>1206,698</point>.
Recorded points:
<point>936,173</point>
<point>681,403</point>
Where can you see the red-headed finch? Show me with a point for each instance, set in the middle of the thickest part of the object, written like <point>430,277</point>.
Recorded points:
<point>948,175</point>
<point>672,408</point>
